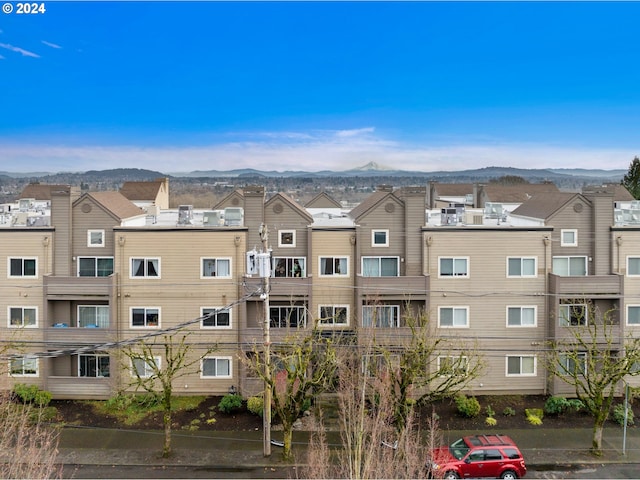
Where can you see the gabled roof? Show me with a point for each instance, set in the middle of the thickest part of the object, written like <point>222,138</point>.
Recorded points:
<point>42,191</point>
<point>234,199</point>
<point>517,193</point>
<point>621,194</point>
<point>292,203</point>
<point>453,189</point>
<point>323,200</point>
<point>142,190</point>
<point>544,205</point>
<point>370,202</point>
<point>115,203</point>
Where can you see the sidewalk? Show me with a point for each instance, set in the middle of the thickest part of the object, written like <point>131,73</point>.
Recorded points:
<point>542,448</point>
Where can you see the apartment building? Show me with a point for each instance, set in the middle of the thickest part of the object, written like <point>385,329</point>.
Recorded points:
<point>85,273</point>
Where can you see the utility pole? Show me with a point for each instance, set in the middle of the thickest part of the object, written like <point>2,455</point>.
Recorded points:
<point>265,272</point>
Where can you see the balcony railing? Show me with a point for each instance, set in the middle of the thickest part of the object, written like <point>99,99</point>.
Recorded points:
<point>587,286</point>
<point>79,387</point>
<point>402,288</point>
<point>57,287</point>
<point>62,335</point>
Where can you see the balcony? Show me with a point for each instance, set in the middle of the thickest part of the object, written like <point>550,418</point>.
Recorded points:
<point>85,288</point>
<point>61,336</point>
<point>87,388</point>
<point>590,286</point>
<point>393,288</point>
<point>282,287</point>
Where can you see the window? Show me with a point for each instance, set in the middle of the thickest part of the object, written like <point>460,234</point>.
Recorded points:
<point>381,316</point>
<point>521,316</point>
<point>289,267</point>
<point>93,316</point>
<point>93,365</point>
<point>380,266</point>
<point>333,315</point>
<point>215,318</point>
<point>145,267</point>
<point>373,365</point>
<point>521,365</point>
<point>23,367</point>
<point>633,266</point>
<point>570,266</point>
<point>572,315</point>
<point>454,267</point>
<point>450,365</point>
<point>23,267</point>
<point>453,317</point>
<point>145,317</point>
<point>287,316</point>
<point>380,238</point>
<point>23,317</point>
<point>633,314</point>
<point>216,267</point>
<point>333,266</point>
<point>569,238</point>
<point>145,367</point>
<point>521,267</point>
<point>216,367</point>
<point>286,238</point>
<point>95,266</point>
<point>573,364</point>
<point>95,238</point>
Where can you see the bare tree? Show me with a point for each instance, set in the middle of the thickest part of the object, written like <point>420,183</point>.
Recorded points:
<point>594,359</point>
<point>156,364</point>
<point>427,366</point>
<point>29,444</point>
<point>370,444</point>
<point>304,366</point>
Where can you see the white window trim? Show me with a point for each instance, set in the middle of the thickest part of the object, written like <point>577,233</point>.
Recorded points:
<point>21,307</point>
<point>215,277</point>
<point>373,237</point>
<point>572,305</point>
<point>301,308</point>
<point>575,236</point>
<point>346,274</point>
<point>396,309</point>
<point>144,327</point>
<point>453,307</point>
<point>535,366</point>
<point>274,262</point>
<point>535,267</point>
<point>455,358</point>
<point>102,238</point>
<point>27,277</point>
<point>32,375</point>
<point>216,377</point>
<point>568,257</point>
<point>333,324</point>
<point>379,258</point>
<point>90,305</point>
<point>627,316</point>
<point>467,275</point>
<point>230,327</point>
<point>95,258</point>
<point>157,360</point>
<point>535,316</point>
<point>286,245</point>
<point>565,358</point>
<point>94,355</point>
<point>632,257</point>
<point>145,277</point>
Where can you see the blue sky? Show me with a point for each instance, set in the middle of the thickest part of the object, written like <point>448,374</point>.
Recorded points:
<point>181,86</point>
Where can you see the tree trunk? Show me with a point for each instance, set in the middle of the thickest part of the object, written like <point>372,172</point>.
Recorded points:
<point>287,435</point>
<point>598,427</point>
<point>166,420</point>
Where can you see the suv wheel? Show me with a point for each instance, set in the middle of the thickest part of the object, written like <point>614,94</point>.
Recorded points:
<point>451,475</point>
<point>509,475</point>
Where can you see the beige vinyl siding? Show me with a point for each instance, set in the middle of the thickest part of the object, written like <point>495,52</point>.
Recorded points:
<point>487,293</point>
<point>96,219</point>
<point>289,219</point>
<point>333,290</point>
<point>567,219</point>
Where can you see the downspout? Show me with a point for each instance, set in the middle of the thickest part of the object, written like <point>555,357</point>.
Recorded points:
<point>548,299</point>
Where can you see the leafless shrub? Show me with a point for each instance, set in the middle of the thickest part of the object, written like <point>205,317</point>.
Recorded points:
<point>28,444</point>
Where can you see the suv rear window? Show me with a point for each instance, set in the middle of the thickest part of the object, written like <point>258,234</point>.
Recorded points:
<point>512,453</point>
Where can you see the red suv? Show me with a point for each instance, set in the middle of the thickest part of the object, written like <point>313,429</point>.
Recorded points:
<point>478,456</point>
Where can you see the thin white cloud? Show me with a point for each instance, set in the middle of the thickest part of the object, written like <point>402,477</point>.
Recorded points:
<point>49,44</point>
<point>354,132</point>
<point>316,151</point>
<point>19,50</point>
<point>1,57</point>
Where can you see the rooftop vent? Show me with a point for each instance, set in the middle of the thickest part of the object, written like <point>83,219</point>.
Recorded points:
<point>185,215</point>
<point>233,216</point>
